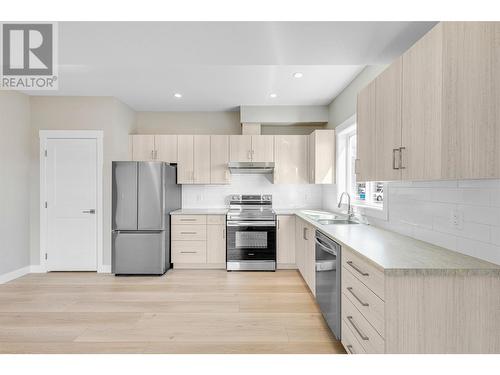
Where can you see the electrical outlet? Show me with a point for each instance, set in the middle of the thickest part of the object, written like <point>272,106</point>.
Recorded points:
<point>457,219</point>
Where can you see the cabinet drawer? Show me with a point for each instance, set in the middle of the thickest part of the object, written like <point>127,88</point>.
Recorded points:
<point>189,219</point>
<point>216,219</point>
<point>367,336</point>
<point>189,252</point>
<point>350,342</point>
<point>364,271</point>
<point>367,302</point>
<point>187,232</point>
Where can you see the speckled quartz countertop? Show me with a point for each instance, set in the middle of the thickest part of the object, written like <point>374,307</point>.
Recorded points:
<point>200,211</point>
<point>392,251</point>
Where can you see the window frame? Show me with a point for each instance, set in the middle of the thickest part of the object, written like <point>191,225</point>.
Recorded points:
<point>344,133</point>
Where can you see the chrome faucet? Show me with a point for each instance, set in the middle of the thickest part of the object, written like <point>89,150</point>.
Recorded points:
<point>350,212</point>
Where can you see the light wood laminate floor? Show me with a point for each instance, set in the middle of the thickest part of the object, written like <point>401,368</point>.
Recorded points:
<point>184,311</point>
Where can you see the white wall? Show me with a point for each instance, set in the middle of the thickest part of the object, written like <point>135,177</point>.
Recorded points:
<point>423,210</point>
<point>79,113</point>
<point>14,181</point>
<point>284,196</point>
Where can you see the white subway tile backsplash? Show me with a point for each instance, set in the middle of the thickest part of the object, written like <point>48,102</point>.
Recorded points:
<point>473,231</point>
<point>495,197</point>
<point>495,236</point>
<point>481,250</point>
<point>437,238</point>
<point>480,214</point>
<point>479,184</point>
<point>424,210</point>
<point>284,196</point>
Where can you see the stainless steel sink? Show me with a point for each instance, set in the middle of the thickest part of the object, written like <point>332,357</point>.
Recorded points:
<point>338,221</point>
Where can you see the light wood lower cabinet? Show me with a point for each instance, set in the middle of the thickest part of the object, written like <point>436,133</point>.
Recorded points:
<point>286,242</point>
<point>216,241</point>
<point>305,252</point>
<point>198,241</point>
<point>418,311</point>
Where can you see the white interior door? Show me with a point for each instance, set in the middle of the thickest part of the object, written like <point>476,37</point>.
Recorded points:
<point>71,192</point>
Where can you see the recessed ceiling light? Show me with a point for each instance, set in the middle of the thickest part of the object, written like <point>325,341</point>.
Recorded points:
<point>177,95</point>
<point>273,95</point>
<point>298,75</point>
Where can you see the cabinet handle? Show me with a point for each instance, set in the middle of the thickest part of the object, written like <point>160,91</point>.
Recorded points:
<point>188,220</point>
<point>304,234</point>
<point>249,155</point>
<point>349,262</point>
<point>355,296</point>
<point>188,232</point>
<point>401,158</point>
<point>188,252</point>
<point>394,150</point>
<point>361,334</point>
<point>349,349</point>
<point>153,154</point>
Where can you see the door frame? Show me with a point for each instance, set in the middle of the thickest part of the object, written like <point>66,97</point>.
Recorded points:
<point>44,136</point>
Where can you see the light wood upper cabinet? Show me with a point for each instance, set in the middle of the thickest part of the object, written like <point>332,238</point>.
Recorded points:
<point>219,159</point>
<point>471,94</point>
<point>258,148</point>
<point>387,140</point>
<point>143,147</point>
<point>166,148</point>
<point>422,107</point>
<point>292,159</point>
<point>286,241</point>
<point>366,153</point>
<point>201,159</point>
<point>448,104</point>
<point>185,159</point>
<point>322,157</point>
<point>240,147</point>
<point>262,148</point>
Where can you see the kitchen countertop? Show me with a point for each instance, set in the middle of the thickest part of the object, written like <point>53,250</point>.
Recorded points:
<point>200,211</point>
<point>392,251</point>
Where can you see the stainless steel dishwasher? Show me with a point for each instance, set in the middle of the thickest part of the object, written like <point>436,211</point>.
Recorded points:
<point>328,291</point>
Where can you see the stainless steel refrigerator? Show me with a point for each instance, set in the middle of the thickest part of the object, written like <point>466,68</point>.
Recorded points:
<point>143,195</point>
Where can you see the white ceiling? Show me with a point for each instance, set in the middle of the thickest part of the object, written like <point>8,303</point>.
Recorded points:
<point>222,65</point>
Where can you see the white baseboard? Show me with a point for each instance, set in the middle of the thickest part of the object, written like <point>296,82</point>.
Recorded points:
<point>14,274</point>
<point>37,269</point>
<point>104,269</point>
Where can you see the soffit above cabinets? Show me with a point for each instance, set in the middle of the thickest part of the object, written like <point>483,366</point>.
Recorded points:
<point>284,115</point>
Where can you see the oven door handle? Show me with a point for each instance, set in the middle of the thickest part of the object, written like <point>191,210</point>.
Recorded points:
<point>251,223</point>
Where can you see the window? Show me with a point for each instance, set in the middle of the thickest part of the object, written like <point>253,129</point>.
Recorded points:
<point>370,194</point>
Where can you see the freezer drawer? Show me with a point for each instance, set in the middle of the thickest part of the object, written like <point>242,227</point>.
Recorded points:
<point>140,253</point>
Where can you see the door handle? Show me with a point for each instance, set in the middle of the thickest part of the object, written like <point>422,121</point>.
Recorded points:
<point>394,150</point>
<point>401,158</point>
<point>91,211</point>
<point>360,333</point>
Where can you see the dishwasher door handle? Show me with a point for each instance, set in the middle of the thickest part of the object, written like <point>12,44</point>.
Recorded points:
<point>326,248</point>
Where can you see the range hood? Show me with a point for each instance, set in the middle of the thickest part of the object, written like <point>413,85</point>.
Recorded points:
<point>248,167</point>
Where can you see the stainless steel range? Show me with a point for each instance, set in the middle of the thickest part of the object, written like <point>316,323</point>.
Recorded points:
<point>251,233</point>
